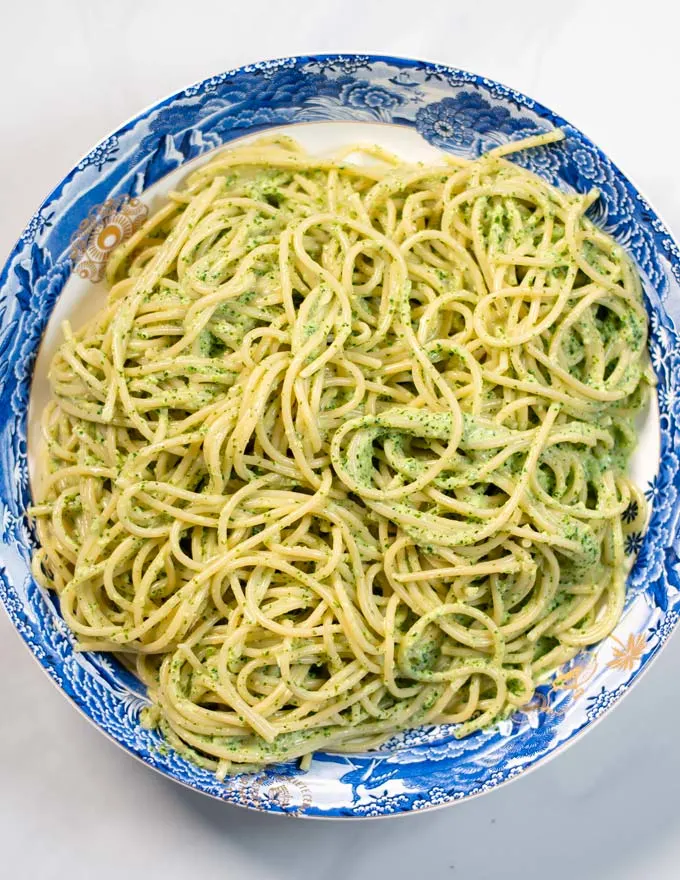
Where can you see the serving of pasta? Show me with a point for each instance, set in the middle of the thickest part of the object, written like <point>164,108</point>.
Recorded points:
<point>346,451</point>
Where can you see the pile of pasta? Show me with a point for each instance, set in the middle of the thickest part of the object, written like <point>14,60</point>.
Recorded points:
<point>346,451</point>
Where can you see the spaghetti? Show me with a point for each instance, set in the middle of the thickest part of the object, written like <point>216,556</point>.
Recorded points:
<point>346,451</point>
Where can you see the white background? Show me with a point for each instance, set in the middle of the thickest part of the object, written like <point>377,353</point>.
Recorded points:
<point>73,805</point>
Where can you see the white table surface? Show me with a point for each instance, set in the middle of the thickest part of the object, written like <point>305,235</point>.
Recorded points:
<point>73,805</point>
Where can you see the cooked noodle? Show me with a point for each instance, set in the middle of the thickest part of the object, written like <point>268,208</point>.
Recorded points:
<point>346,451</point>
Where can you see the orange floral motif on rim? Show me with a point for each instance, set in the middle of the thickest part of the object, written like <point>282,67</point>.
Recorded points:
<point>290,793</point>
<point>627,655</point>
<point>105,227</point>
<point>573,681</point>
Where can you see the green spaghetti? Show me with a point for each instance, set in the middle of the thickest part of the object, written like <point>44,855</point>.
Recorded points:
<point>346,451</point>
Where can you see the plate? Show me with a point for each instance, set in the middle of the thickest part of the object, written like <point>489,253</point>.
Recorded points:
<point>415,108</point>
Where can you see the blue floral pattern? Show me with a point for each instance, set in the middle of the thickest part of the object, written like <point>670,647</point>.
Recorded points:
<point>453,110</point>
<point>631,512</point>
<point>37,224</point>
<point>598,704</point>
<point>633,543</point>
<point>102,153</point>
<point>469,124</point>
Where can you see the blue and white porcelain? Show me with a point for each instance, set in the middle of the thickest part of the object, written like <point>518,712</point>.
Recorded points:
<point>59,258</point>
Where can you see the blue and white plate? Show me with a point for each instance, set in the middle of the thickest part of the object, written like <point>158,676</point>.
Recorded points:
<point>416,109</point>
